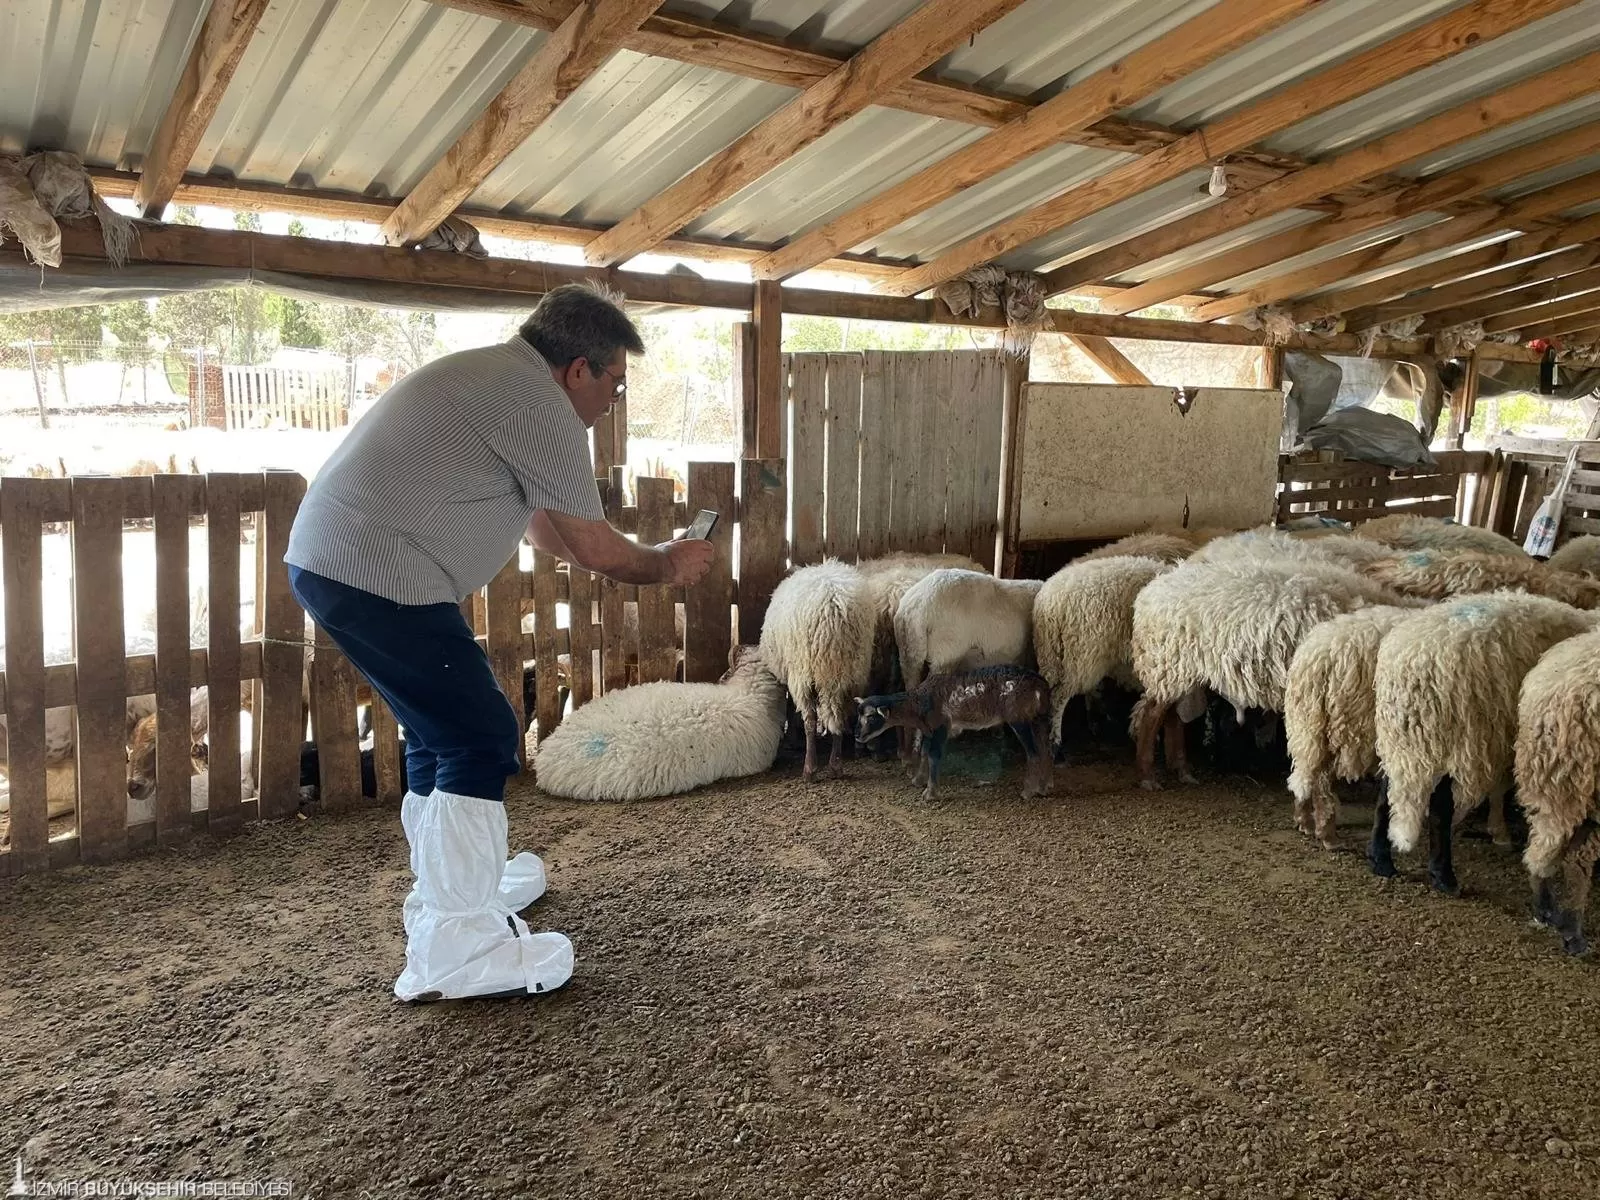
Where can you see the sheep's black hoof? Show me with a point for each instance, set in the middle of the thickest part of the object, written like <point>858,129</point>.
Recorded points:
<point>1381,863</point>
<point>1576,946</point>
<point>1445,885</point>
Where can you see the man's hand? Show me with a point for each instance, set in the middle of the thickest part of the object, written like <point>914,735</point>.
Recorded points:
<point>690,560</point>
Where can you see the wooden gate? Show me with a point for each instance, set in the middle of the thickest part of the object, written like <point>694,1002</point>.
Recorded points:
<point>258,397</point>
<point>894,450</point>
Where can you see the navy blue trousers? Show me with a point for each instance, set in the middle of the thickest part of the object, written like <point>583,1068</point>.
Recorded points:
<point>461,731</point>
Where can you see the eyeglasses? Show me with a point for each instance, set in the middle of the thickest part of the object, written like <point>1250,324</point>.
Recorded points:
<point>622,380</point>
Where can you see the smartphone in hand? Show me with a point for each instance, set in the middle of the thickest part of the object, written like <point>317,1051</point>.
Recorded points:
<point>702,525</point>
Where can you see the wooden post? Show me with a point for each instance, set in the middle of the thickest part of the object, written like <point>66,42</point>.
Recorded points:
<point>807,401</point>
<point>744,388</point>
<point>580,634</point>
<point>102,686</point>
<point>658,636</point>
<point>762,554</point>
<point>769,388</point>
<point>877,440</point>
<point>172,500</point>
<point>547,701</point>
<point>284,658</point>
<point>223,793</point>
<point>1469,402</point>
<point>708,608</point>
<point>387,761</point>
<point>23,503</point>
<point>1012,430</point>
<point>613,660</point>
<point>503,630</point>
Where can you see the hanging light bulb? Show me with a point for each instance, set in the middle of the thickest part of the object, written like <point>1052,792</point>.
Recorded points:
<point>1219,181</point>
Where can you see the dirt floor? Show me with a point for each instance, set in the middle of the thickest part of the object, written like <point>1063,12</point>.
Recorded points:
<point>833,990</point>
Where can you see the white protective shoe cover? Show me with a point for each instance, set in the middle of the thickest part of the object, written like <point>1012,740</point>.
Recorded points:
<point>521,883</point>
<point>462,942</point>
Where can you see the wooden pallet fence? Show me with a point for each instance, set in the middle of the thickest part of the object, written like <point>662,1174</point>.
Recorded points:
<point>894,450</point>
<point>261,397</point>
<point>1529,468</point>
<point>101,823</point>
<point>1355,491</point>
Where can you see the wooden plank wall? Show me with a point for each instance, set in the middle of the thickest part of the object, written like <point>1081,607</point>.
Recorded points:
<point>1355,492</point>
<point>1527,468</point>
<point>894,451</point>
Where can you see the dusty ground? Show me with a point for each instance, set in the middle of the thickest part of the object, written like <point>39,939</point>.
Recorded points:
<point>835,990</point>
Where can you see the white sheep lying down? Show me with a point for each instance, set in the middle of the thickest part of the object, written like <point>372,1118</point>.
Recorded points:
<point>661,739</point>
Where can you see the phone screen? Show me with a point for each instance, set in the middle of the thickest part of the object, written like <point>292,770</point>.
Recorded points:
<point>702,525</point>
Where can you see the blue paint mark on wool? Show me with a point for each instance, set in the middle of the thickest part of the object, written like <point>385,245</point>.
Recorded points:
<point>596,746</point>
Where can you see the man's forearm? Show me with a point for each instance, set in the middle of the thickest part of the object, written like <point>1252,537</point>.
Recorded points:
<point>545,537</point>
<point>598,547</point>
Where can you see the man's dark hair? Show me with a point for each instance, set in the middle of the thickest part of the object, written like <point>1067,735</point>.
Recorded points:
<point>581,320</point>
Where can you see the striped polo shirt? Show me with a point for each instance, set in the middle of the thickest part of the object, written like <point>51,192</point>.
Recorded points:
<point>429,494</point>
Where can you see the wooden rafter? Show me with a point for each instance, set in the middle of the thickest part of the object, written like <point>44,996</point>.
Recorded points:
<point>1150,67</point>
<point>1573,329</point>
<point>224,36</point>
<point>1541,314</point>
<point>1461,123</point>
<point>1457,232</point>
<point>1117,365</point>
<point>1511,300</point>
<point>1474,179</point>
<point>897,54</point>
<point>1434,42</point>
<point>1479,286</point>
<point>580,44</point>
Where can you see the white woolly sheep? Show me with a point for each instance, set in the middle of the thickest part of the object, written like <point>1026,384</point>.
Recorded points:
<point>1083,627</point>
<point>661,739</point>
<point>1166,547</point>
<point>887,579</point>
<point>1328,712</point>
<point>817,639</point>
<point>1438,574</point>
<point>1266,544</point>
<point>1557,771</point>
<point>1406,531</point>
<point>954,620</point>
<point>1445,691</point>
<point>1581,556</point>
<point>1233,627</point>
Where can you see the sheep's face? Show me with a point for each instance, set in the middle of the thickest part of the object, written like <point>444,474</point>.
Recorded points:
<point>142,759</point>
<point>743,660</point>
<point>872,719</point>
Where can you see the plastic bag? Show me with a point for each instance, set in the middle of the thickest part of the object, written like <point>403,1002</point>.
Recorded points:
<point>1374,437</point>
<point>1546,523</point>
<point>23,215</point>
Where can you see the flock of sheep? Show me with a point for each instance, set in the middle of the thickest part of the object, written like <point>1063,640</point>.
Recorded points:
<point>1438,658</point>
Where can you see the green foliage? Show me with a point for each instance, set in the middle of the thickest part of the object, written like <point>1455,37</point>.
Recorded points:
<point>297,228</point>
<point>249,221</point>
<point>296,321</point>
<point>131,323</point>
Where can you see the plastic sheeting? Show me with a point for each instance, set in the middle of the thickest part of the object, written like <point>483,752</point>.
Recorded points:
<point>1326,410</point>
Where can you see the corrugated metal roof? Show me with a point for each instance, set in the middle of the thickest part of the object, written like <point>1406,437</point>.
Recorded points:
<point>362,96</point>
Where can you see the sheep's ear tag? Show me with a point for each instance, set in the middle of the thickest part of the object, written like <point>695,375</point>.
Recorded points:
<point>1184,398</point>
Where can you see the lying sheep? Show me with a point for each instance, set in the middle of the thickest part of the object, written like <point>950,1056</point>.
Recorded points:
<point>945,704</point>
<point>1581,556</point>
<point>1406,531</point>
<point>1445,690</point>
<point>1437,574</point>
<point>1164,547</point>
<point>817,639</point>
<point>1230,626</point>
<point>955,620</point>
<point>1083,627</point>
<point>661,739</point>
<point>1557,771</point>
<point>1308,546</point>
<point>1328,712</point>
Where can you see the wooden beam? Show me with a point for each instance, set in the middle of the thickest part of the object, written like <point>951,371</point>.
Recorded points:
<point>1462,123</point>
<point>1539,314</point>
<point>899,53</point>
<point>223,38</point>
<point>1162,61</point>
<point>1511,299</point>
<point>568,57</point>
<point>311,258</point>
<point>1117,366</point>
<point>1476,287</point>
<point>1405,281</point>
<point>1471,180</point>
<point>1574,328</point>
<point>767,312</point>
<point>1434,42</point>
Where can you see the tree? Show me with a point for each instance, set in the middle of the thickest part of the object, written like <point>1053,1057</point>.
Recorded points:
<point>297,227</point>
<point>412,337</point>
<point>298,322</point>
<point>247,221</point>
<point>131,323</point>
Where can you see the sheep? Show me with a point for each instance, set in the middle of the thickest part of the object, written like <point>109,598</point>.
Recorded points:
<point>817,639</point>
<point>1406,531</point>
<point>1557,772</point>
<point>1164,547</point>
<point>955,620</point>
<point>1083,627</point>
<point>1581,556</point>
<point>1437,574</point>
<point>142,746</point>
<point>1445,694</point>
<point>1309,546</point>
<point>1328,712</point>
<point>944,704</point>
<point>1231,626</point>
<point>660,739</point>
<point>887,580</point>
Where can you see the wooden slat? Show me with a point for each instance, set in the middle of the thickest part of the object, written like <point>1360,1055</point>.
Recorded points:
<point>547,699</point>
<point>333,726</point>
<point>934,375</point>
<point>905,450</point>
<point>21,503</point>
<point>604,448</point>
<point>1577,525</point>
<point>561,64</point>
<point>808,421</point>
<point>877,436</point>
<point>1117,366</point>
<point>61,679</point>
<point>281,719</point>
<point>840,494</point>
<point>613,662</point>
<point>917,41</point>
<point>223,792</point>
<point>1425,508</point>
<point>101,729</point>
<point>658,636</point>
<point>503,626</point>
<point>582,635</point>
<point>961,450</point>
<point>994,391</point>
<point>745,411</point>
<point>708,607</point>
<point>770,407</point>
<point>170,497</point>
<point>387,759</point>
<point>223,39</point>
<point>1014,372</point>
<point>762,550</point>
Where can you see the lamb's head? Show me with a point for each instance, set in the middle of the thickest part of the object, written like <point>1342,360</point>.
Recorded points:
<point>875,716</point>
<point>745,666</point>
<point>142,759</point>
